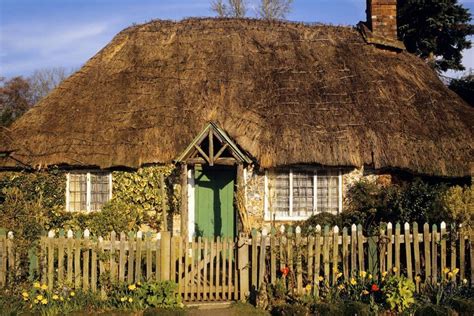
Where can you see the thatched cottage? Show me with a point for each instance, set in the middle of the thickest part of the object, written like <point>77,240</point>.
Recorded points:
<point>267,120</point>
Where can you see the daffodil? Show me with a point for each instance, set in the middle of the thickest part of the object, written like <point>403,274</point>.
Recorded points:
<point>61,298</point>
<point>72,293</point>
<point>335,269</point>
<point>132,287</point>
<point>130,300</point>
<point>450,275</point>
<point>25,298</point>
<point>36,285</point>
<point>455,271</point>
<point>395,269</point>
<point>44,301</point>
<point>341,287</point>
<point>44,287</point>
<point>384,274</point>
<point>39,297</point>
<point>55,297</point>
<point>123,299</point>
<point>418,278</point>
<point>36,301</point>
<point>464,281</point>
<point>320,278</point>
<point>365,292</point>
<point>369,276</point>
<point>25,294</point>
<point>362,274</point>
<point>338,275</point>
<point>445,270</point>
<point>308,287</point>
<point>353,281</point>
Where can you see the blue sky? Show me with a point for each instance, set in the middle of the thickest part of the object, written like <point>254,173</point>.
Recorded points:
<point>37,34</point>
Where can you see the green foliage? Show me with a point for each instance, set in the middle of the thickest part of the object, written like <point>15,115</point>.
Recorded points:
<point>458,202</point>
<point>147,295</point>
<point>290,310</point>
<point>435,30</point>
<point>327,309</point>
<point>60,301</point>
<point>434,310</point>
<point>356,308</point>
<point>399,293</point>
<point>142,190</point>
<point>464,87</point>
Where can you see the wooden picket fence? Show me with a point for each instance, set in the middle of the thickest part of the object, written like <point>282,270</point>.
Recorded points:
<point>224,269</point>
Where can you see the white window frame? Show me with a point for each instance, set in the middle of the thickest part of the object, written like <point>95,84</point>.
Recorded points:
<point>266,205</point>
<point>88,189</point>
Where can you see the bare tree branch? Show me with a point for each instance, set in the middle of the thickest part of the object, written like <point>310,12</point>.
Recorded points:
<point>232,8</point>
<point>274,9</point>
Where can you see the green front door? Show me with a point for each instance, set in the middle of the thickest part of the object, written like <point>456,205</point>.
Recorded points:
<point>214,205</point>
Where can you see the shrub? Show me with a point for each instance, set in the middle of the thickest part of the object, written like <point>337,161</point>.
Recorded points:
<point>399,293</point>
<point>146,295</point>
<point>434,310</point>
<point>290,309</point>
<point>356,308</point>
<point>458,202</point>
<point>326,309</point>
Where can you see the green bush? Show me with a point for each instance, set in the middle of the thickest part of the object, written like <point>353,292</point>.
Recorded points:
<point>290,309</point>
<point>327,309</point>
<point>464,307</point>
<point>434,310</point>
<point>356,308</point>
<point>147,295</point>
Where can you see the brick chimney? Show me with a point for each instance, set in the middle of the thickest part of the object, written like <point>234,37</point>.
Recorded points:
<point>382,18</point>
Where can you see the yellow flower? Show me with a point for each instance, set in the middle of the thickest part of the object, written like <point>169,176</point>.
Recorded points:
<point>369,276</point>
<point>39,297</point>
<point>341,287</point>
<point>450,275</point>
<point>365,292</point>
<point>61,298</point>
<point>25,294</point>
<point>55,297</point>
<point>308,287</point>
<point>445,270</point>
<point>464,281</point>
<point>395,269</point>
<point>25,298</point>
<point>44,301</point>
<point>418,278</point>
<point>132,287</point>
<point>36,285</point>
<point>320,278</point>
<point>123,299</point>
<point>338,275</point>
<point>353,281</point>
<point>36,301</point>
<point>72,294</point>
<point>130,300</point>
<point>455,271</point>
<point>139,284</point>
<point>384,274</point>
<point>362,274</point>
<point>335,269</point>
<point>44,287</point>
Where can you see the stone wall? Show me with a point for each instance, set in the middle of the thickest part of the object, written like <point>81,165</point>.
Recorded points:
<point>255,195</point>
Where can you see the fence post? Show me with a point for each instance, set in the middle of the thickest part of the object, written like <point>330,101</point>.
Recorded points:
<point>408,251</point>
<point>165,255</point>
<point>243,267</point>
<point>50,259</point>
<point>3,258</point>
<point>299,261</point>
<point>373,255</point>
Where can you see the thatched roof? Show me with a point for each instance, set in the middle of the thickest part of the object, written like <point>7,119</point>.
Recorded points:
<point>285,92</point>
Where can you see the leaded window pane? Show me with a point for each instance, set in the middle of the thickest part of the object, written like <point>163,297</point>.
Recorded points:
<point>302,194</point>
<point>78,192</point>
<point>100,190</point>
<point>281,200</point>
<point>328,192</point>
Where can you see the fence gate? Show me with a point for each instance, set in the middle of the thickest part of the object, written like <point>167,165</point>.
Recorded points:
<point>205,269</point>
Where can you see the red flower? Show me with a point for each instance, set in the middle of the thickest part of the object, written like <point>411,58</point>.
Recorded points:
<point>285,271</point>
<point>374,288</point>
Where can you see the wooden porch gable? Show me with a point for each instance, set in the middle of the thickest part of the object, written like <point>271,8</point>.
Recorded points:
<point>213,146</point>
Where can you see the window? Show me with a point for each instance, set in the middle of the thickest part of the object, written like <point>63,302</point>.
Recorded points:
<point>297,194</point>
<point>88,191</point>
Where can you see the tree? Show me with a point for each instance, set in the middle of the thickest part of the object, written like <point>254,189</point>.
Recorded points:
<point>464,87</point>
<point>274,9</point>
<point>18,94</point>
<point>15,99</point>
<point>44,80</point>
<point>435,30</point>
<point>233,8</point>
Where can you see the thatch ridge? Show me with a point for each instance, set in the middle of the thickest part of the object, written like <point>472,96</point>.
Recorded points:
<point>286,92</point>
